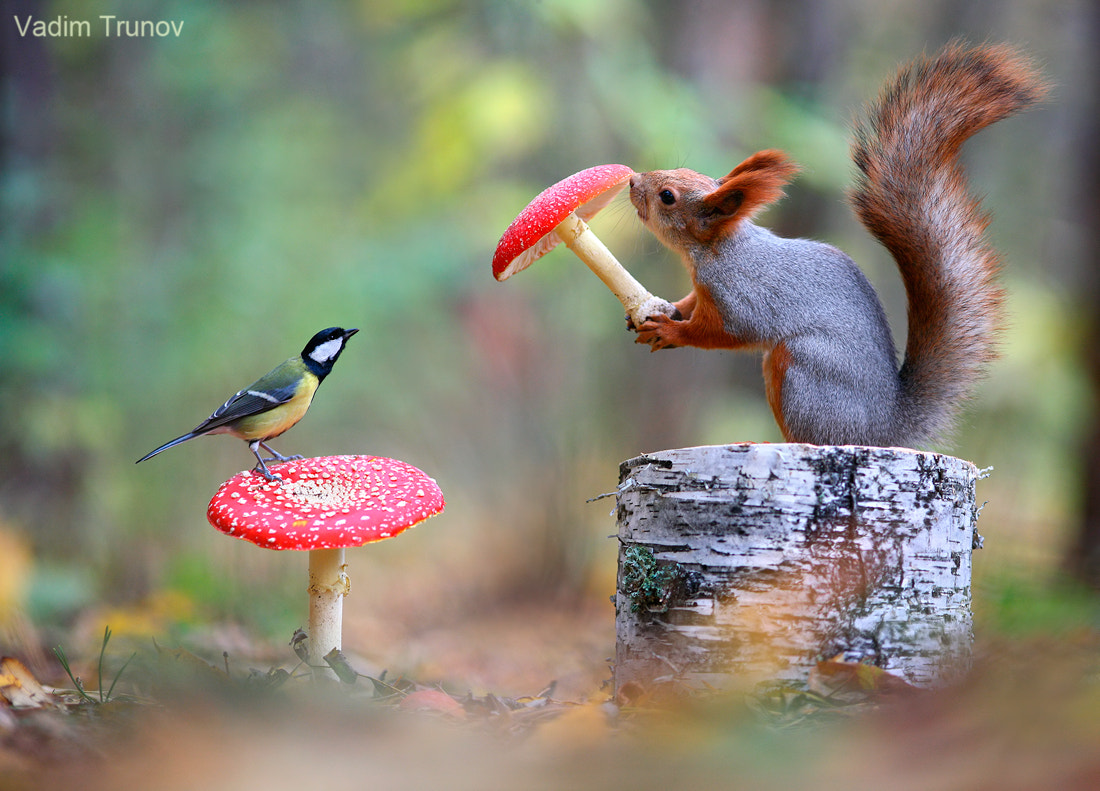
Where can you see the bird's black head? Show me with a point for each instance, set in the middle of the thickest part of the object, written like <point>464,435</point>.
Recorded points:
<point>324,348</point>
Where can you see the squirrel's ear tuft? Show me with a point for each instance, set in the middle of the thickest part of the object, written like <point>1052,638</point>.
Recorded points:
<point>749,187</point>
<point>771,162</point>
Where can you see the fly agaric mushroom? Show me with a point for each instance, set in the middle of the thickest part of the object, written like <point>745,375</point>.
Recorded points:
<point>325,505</point>
<point>558,214</point>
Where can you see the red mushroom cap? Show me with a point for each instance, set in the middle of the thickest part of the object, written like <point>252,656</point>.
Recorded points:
<point>325,503</point>
<point>528,237</point>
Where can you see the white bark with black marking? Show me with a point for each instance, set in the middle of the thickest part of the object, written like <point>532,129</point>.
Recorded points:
<point>741,564</point>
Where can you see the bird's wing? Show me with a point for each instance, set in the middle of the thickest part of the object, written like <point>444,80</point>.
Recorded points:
<point>251,401</point>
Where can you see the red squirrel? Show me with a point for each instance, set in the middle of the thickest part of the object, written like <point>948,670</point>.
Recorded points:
<point>830,368</point>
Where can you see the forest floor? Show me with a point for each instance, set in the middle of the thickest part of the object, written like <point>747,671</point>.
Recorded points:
<point>485,713</point>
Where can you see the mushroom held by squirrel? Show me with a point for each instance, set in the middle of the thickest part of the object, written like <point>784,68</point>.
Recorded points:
<point>559,214</point>
<point>324,506</point>
<point>831,372</point>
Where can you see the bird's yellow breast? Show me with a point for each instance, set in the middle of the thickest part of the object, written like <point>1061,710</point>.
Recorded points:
<point>270,424</point>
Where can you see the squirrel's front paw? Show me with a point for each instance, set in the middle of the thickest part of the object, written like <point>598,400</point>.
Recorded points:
<point>657,332</point>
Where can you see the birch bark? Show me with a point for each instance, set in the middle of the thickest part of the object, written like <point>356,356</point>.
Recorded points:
<point>742,564</point>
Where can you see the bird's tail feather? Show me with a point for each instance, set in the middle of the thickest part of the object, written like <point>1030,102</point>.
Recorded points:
<point>167,445</point>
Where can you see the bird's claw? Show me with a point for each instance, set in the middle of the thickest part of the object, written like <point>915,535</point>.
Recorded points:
<point>269,476</point>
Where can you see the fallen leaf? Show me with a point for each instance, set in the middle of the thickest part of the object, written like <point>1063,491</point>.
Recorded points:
<point>20,688</point>
<point>341,666</point>
<point>434,700</point>
<point>833,676</point>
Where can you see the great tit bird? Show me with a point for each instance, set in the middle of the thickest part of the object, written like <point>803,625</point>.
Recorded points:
<point>274,402</point>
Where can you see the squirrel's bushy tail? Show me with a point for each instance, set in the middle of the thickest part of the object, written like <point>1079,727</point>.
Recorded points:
<point>911,193</point>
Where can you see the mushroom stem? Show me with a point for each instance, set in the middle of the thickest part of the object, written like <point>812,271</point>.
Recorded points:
<point>637,300</point>
<point>328,584</point>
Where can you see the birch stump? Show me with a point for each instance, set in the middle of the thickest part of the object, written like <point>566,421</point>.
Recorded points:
<point>741,564</point>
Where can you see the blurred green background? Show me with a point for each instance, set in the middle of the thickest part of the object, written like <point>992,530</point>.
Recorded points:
<point>181,214</point>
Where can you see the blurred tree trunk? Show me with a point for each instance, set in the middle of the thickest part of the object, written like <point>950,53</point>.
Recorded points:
<point>1085,558</point>
<point>39,486</point>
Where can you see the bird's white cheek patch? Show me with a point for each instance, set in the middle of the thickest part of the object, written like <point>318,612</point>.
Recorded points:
<point>326,351</point>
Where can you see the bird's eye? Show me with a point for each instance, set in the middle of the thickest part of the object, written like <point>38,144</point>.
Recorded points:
<point>668,197</point>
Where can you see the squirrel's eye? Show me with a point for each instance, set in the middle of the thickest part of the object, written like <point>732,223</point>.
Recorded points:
<point>668,197</point>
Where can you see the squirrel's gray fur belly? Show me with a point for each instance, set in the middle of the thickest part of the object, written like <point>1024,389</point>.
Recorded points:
<point>813,300</point>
